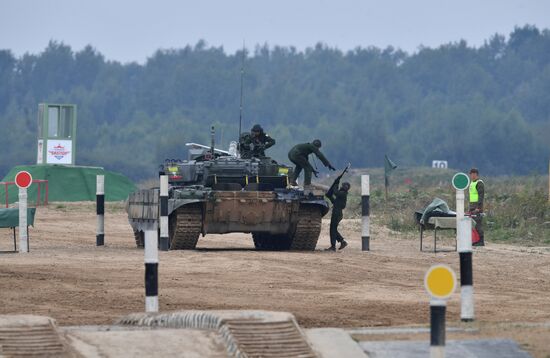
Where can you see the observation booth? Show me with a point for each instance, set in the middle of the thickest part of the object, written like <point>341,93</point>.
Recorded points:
<point>56,134</point>
<point>56,175</point>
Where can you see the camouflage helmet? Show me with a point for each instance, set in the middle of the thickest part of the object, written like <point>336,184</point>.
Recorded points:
<point>257,128</point>
<point>317,143</point>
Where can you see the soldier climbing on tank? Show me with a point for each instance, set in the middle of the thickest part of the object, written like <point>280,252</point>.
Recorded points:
<point>254,144</point>
<point>299,156</point>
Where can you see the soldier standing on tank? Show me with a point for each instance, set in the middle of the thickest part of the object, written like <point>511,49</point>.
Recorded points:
<point>338,198</point>
<point>254,144</point>
<point>299,156</point>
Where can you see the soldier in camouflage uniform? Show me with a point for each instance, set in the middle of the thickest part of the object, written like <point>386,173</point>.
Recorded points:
<point>299,156</point>
<point>338,198</point>
<point>477,196</point>
<point>253,145</point>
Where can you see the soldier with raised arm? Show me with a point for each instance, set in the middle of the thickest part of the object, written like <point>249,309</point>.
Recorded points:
<point>338,197</point>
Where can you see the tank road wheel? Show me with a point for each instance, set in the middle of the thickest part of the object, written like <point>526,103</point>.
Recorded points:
<point>139,236</point>
<point>185,228</point>
<point>308,229</point>
<point>270,242</point>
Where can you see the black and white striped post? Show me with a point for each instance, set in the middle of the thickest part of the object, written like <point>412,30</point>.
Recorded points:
<point>440,282</point>
<point>466,274</point>
<point>151,271</point>
<point>437,328</point>
<point>460,182</point>
<point>23,180</point>
<point>163,222</point>
<point>365,212</point>
<point>100,210</point>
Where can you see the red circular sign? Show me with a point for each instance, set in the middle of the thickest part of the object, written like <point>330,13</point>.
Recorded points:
<point>23,179</point>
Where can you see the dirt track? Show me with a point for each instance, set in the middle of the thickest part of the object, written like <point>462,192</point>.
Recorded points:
<point>67,277</point>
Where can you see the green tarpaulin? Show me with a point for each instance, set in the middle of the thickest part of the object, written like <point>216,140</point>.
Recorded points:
<point>68,183</point>
<point>438,206</point>
<point>9,217</point>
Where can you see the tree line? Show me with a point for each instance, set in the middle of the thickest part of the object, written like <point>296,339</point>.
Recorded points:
<point>486,106</point>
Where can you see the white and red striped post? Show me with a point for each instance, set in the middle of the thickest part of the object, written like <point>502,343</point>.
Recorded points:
<point>151,271</point>
<point>164,239</point>
<point>365,212</point>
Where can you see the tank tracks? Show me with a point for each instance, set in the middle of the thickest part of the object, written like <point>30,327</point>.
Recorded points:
<point>139,236</point>
<point>304,238</point>
<point>185,228</point>
<point>308,229</point>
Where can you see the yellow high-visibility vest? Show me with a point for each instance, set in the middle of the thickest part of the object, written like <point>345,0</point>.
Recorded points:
<point>474,195</point>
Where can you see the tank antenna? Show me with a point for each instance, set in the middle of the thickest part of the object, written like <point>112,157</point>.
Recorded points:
<point>212,142</point>
<point>241,106</point>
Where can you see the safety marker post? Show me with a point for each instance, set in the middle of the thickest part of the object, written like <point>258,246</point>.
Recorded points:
<point>460,182</point>
<point>164,241</point>
<point>365,212</point>
<point>151,271</point>
<point>100,210</point>
<point>23,180</point>
<point>440,282</point>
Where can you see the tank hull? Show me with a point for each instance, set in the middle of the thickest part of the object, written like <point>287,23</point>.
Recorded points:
<point>269,215</point>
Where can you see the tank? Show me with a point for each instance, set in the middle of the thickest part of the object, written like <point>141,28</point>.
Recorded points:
<point>217,192</point>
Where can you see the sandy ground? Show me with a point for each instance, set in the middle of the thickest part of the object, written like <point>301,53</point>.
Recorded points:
<point>67,277</point>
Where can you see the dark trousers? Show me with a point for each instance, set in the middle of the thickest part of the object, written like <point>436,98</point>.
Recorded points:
<point>334,234</point>
<point>301,162</point>
<point>479,223</point>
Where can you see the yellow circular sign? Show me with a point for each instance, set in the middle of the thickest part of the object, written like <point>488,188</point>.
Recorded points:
<point>440,281</point>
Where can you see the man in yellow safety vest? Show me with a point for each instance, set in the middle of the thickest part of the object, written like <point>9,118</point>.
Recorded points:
<point>477,195</point>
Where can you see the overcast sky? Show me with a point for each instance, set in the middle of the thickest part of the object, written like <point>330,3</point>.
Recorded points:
<point>131,30</point>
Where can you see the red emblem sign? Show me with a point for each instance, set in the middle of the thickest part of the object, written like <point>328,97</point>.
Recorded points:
<point>23,179</point>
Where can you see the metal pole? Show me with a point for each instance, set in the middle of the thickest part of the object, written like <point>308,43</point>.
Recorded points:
<point>459,206</point>
<point>23,237</point>
<point>151,271</point>
<point>164,239</point>
<point>38,193</point>
<point>100,209</point>
<point>365,211</point>
<point>437,328</point>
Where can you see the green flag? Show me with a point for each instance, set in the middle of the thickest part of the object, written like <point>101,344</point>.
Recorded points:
<point>389,167</point>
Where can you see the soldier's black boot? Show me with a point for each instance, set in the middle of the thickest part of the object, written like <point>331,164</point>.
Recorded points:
<point>332,248</point>
<point>481,242</point>
<point>343,244</point>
